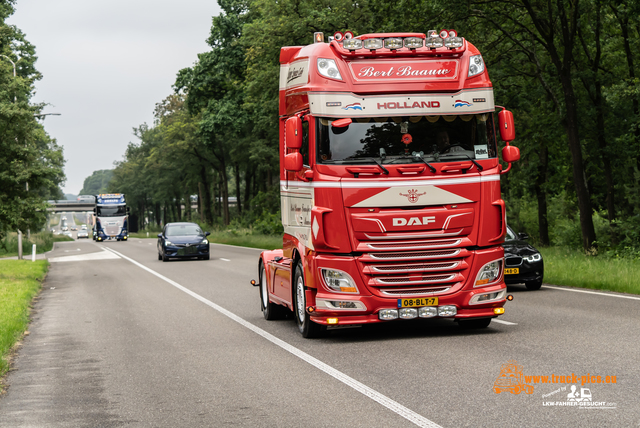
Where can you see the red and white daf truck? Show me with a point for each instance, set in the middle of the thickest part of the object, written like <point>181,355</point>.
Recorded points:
<point>389,183</point>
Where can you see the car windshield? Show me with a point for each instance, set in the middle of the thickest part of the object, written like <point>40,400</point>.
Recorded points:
<point>183,230</point>
<point>407,139</point>
<point>511,235</point>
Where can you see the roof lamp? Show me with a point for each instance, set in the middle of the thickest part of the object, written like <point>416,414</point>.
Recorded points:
<point>348,35</point>
<point>338,36</point>
<point>453,33</point>
<point>434,42</point>
<point>373,44</point>
<point>352,44</point>
<point>444,34</point>
<point>453,42</point>
<point>328,68</point>
<point>413,42</point>
<point>318,37</point>
<point>393,43</point>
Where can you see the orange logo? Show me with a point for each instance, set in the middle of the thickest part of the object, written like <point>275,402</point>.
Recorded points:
<point>511,379</point>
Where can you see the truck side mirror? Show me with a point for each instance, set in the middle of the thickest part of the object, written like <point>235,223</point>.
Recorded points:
<point>507,130</point>
<point>293,162</point>
<point>510,154</point>
<point>293,133</point>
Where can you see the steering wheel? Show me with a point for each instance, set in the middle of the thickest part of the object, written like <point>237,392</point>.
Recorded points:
<point>449,147</point>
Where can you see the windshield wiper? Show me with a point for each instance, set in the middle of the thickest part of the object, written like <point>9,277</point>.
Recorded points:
<point>480,168</point>
<point>416,156</point>
<point>376,161</point>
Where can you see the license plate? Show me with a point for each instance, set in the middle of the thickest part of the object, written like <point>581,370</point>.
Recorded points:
<point>414,303</point>
<point>187,250</point>
<point>511,271</point>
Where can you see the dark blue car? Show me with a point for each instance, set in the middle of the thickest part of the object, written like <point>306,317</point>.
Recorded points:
<point>183,241</point>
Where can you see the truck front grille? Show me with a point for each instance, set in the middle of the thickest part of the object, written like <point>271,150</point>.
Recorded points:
<point>414,273</point>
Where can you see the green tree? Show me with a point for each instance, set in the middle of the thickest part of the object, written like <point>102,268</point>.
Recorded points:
<point>97,182</point>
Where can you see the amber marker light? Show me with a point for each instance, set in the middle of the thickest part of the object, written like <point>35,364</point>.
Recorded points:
<point>332,321</point>
<point>498,311</point>
<point>311,309</point>
<point>509,297</point>
<point>253,282</point>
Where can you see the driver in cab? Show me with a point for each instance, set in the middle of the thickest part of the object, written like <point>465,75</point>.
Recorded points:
<point>445,145</point>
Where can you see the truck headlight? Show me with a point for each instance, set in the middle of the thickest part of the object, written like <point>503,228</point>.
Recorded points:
<point>476,65</point>
<point>328,68</point>
<point>338,281</point>
<point>489,273</point>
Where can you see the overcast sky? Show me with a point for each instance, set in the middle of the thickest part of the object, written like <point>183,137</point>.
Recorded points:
<point>105,64</point>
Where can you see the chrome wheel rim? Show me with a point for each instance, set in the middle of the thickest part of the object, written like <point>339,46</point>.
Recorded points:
<point>263,288</point>
<point>300,299</point>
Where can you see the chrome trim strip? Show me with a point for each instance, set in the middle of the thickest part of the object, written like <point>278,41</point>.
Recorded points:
<point>405,268</point>
<point>426,235</point>
<point>397,293</point>
<point>435,256</point>
<point>422,281</point>
<point>424,246</point>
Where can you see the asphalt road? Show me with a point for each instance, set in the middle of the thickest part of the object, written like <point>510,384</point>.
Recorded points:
<point>119,338</point>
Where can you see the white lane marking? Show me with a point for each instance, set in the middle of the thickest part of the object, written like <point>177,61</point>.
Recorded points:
<point>226,260</point>
<point>387,402</point>
<point>592,292</point>
<point>504,322</point>
<point>101,255</point>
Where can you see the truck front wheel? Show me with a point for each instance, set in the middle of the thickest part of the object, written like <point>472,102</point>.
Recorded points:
<point>308,328</point>
<point>270,310</point>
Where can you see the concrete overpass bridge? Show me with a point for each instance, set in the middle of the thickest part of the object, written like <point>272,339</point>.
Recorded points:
<point>70,206</point>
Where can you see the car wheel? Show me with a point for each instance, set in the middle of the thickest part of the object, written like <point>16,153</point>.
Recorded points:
<point>159,256</point>
<point>207,257</point>
<point>164,257</point>
<point>270,311</point>
<point>533,285</point>
<point>308,328</point>
<point>475,323</point>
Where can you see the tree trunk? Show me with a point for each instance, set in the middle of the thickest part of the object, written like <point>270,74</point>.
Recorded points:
<point>206,196</point>
<point>541,193</point>
<point>237,173</point>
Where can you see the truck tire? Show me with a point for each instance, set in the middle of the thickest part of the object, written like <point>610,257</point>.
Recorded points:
<point>308,328</point>
<point>475,323</point>
<point>533,285</point>
<point>270,310</point>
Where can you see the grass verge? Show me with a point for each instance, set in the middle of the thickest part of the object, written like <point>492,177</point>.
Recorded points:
<point>20,282</point>
<point>563,266</point>
<point>43,240</point>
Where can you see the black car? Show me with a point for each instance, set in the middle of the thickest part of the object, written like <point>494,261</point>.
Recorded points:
<point>183,241</point>
<point>522,262</point>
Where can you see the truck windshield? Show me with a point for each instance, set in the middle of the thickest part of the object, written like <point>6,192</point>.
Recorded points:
<point>111,211</point>
<point>407,139</point>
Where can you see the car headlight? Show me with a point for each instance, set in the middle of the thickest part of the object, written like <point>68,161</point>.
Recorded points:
<point>167,242</point>
<point>338,281</point>
<point>489,273</point>
<point>204,241</point>
<point>533,257</point>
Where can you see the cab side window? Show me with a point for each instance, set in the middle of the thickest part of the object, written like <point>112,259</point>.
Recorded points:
<point>304,150</point>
